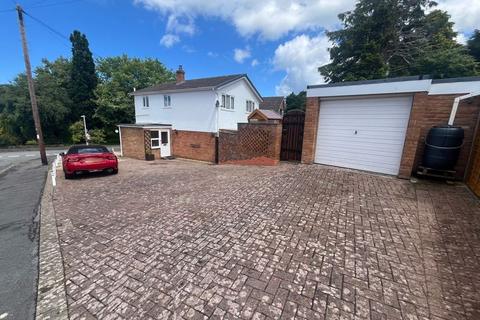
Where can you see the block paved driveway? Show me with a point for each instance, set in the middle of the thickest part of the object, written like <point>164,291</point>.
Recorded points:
<point>177,239</point>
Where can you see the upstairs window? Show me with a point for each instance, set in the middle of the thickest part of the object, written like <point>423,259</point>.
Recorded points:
<point>250,106</point>
<point>228,102</point>
<point>146,102</point>
<point>167,101</point>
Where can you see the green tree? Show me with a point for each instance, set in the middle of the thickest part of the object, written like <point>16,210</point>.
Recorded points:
<point>77,132</point>
<point>296,101</point>
<point>118,77</point>
<point>442,57</point>
<point>473,45</point>
<point>51,79</point>
<point>83,79</point>
<point>388,38</point>
<point>54,102</point>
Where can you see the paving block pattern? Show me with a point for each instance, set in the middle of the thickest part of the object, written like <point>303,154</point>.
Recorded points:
<point>183,240</point>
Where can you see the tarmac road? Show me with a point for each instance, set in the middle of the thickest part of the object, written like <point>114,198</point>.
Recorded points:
<point>20,192</point>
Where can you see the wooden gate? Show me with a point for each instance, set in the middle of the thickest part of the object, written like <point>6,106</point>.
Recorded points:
<point>292,135</point>
<point>473,177</point>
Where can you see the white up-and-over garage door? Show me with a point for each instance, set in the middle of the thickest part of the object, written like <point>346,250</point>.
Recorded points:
<point>365,133</point>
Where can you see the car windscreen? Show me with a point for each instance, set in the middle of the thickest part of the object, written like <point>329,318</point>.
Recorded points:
<point>87,149</point>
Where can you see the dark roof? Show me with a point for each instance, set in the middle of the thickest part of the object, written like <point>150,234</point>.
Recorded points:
<point>352,83</point>
<point>204,83</point>
<point>462,79</point>
<point>272,103</point>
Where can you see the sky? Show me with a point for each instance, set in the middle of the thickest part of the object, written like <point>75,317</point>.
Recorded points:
<point>279,43</point>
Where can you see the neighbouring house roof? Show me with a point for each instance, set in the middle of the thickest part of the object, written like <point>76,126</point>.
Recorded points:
<point>144,125</point>
<point>272,103</point>
<point>196,85</point>
<point>395,86</point>
<point>265,114</point>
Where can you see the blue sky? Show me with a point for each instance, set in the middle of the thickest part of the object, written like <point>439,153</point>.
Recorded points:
<point>279,43</point>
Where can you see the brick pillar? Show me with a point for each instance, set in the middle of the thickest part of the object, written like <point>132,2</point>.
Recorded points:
<point>310,129</point>
<point>412,137</point>
<point>277,142</point>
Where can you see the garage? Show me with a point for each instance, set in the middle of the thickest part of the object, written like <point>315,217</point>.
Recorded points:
<point>380,125</point>
<point>365,133</point>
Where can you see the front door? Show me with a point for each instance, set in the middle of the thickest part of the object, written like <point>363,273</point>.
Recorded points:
<point>165,143</point>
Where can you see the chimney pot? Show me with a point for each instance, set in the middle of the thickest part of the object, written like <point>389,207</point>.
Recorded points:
<point>180,74</point>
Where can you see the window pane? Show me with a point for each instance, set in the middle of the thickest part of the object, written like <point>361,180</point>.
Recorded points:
<point>154,134</point>
<point>164,137</point>
<point>165,101</point>
<point>223,100</point>
<point>155,143</point>
<point>169,101</point>
<point>232,105</point>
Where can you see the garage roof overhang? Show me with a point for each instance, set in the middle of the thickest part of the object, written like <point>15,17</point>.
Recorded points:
<point>402,85</point>
<point>146,125</point>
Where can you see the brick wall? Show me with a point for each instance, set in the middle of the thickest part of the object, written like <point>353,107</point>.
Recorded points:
<point>310,129</point>
<point>193,145</point>
<point>428,111</point>
<point>133,143</point>
<point>256,143</point>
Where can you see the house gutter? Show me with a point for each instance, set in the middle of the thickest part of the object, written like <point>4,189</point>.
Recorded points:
<point>456,102</point>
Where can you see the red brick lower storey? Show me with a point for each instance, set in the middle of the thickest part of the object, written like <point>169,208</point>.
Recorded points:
<point>193,145</point>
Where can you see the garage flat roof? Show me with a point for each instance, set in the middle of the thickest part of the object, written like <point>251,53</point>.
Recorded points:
<point>144,125</point>
<point>400,85</point>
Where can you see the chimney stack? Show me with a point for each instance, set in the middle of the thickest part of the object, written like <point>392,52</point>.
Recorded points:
<point>180,74</point>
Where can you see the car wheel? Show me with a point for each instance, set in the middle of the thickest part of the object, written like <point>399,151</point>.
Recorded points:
<point>115,171</point>
<point>69,175</point>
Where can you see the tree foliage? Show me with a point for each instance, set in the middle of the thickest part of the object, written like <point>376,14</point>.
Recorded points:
<point>68,88</point>
<point>296,101</point>
<point>83,78</point>
<point>118,77</point>
<point>388,38</point>
<point>473,45</point>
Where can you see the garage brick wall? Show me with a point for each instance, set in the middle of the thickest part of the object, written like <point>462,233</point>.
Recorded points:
<point>133,143</point>
<point>430,110</point>
<point>427,111</point>
<point>310,129</point>
<point>193,145</point>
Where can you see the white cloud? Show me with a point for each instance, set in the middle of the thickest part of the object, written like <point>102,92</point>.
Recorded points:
<point>169,40</point>
<point>180,25</point>
<point>461,38</point>
<point>255,63</point>
<point>465,13</point>
<point>270,19</point>
<point>241,54</point>
<point>300,58</point>
<point>273,19</point>
<point>212,54</point>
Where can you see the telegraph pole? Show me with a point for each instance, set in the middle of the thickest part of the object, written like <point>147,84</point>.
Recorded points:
<point>31,88</point>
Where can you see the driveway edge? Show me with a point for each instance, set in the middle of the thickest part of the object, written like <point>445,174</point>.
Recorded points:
<point>51,293</point>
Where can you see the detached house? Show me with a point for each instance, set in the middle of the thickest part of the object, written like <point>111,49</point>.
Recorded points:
<point>183,118</point>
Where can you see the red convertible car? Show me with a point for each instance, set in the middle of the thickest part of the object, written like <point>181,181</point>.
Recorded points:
<point>88,158</point>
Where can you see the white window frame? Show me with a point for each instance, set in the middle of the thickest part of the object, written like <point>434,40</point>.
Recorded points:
<point>146,101</point>
<point>228,102</point>
<point>156,139</point>
<point>167,101</point>
<point>249,106</point>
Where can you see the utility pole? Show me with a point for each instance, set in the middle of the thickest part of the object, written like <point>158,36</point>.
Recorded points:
<point>31,88</point>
